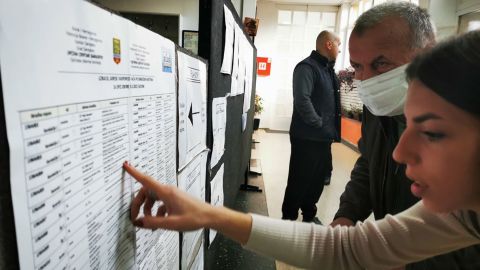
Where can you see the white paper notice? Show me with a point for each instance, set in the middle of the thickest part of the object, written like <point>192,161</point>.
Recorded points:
<point>192,108</point>
<point>83,90</point>
<point>244,121</point>
<point>152,131</point>
<point>219,122</point>
<point>235,63</point>
<point>192,180</point>
<point>216,196</point>
<point>198,263</point>
<point>229,38</point>
<point>248,58</point>
<point>168,250</point>
<point>243,43</point>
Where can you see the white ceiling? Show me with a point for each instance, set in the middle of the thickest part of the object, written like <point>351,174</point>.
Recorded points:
<point>312,2</point>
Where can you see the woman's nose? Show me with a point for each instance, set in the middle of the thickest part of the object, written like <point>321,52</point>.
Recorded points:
<point>403,151</point>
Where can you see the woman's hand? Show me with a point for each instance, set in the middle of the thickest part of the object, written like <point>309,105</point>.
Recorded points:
<point>179,211</point>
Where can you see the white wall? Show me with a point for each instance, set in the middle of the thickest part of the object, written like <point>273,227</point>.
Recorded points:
<point>237,4</point>
<point>186,9</point>
<point>444,16</point>
<point>265,42</point>
<point>286,48</point>
<point>467,6</point>
<point>249,8</point>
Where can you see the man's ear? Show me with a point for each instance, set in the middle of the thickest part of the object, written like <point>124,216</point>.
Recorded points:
<point>329,44</point>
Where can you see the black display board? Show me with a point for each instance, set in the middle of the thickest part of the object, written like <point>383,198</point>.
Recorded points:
<point>237,142</point>
<point>8,242</point>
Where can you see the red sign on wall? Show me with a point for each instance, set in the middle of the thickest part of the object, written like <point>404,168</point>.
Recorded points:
<point>263,66</point>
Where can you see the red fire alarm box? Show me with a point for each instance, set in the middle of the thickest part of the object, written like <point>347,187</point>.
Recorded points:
<point>263,66</point>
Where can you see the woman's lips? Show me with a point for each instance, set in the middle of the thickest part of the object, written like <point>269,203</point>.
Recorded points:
<point>417,189</point>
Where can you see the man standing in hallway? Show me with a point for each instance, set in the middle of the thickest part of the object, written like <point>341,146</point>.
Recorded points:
<point>315,125</point>
<point>383,41</point>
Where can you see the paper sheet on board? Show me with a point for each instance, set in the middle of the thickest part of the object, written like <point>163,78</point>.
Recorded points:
<point>192,180</point>
<point>219,122</point>
<point>199,262</point>
<point>192,108</point>
<point>229,39</point>
<point>216,195</point>
<point>244,121</point>
<point>235,63</point>
<point>84,91</point>
<point>243,43</point>
<point>248,58</point>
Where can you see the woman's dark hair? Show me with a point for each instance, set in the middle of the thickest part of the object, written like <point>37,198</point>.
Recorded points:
<point>452,70</point>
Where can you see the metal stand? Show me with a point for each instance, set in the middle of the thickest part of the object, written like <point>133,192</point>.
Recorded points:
<point>245,186</point>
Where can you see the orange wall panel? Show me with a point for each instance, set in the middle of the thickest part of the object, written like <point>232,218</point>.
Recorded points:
<point>351,130</point>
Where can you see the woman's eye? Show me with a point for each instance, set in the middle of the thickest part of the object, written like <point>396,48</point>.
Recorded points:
<point>433,136</point>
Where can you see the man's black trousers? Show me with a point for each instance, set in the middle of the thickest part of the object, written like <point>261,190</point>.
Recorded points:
<point>309,164</point>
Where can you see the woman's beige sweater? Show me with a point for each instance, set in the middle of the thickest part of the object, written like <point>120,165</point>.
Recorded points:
<point>410,236</point>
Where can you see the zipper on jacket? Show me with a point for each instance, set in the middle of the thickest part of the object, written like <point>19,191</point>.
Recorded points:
<point>384,180</point>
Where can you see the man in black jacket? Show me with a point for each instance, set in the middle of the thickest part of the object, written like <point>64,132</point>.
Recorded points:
<point>385,39</point>
<point>315,125</point>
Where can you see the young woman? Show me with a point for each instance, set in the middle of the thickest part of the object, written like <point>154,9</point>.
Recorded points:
<point>441,148</point>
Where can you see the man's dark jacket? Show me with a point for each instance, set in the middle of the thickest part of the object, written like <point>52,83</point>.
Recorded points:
<point>378,184</point>
<point>316,98</point>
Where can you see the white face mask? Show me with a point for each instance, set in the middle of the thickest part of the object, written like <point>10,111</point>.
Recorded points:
<point>385,94</point>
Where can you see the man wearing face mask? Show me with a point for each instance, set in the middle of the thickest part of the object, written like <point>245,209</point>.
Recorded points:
<point>315,125</point>
<point>384,40</point>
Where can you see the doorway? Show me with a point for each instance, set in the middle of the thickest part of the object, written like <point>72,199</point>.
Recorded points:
<point>164,25</point>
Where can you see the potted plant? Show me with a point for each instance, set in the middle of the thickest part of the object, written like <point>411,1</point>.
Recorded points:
<point>258,108</point>
<point>345,78</point>
<point>344,111</point>
<point>357,113</point>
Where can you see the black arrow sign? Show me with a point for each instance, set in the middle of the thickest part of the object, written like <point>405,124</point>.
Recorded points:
<point>190,114</point>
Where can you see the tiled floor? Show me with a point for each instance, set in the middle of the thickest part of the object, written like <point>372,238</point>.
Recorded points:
<point>273,154</point>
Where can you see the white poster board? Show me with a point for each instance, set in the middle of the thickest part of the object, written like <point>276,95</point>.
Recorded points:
<point>192,180</point>
<point>229,39</point>
<point>219,123</point>
<point>192,108</point>
<point>216,194</point>
<point>199,261</point>
<point>84,90</point>
<point>249,65</point>
<point>236,60</point>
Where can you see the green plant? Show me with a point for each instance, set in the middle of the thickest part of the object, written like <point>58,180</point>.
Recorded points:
<point>357,113</point>
<point>344,111</point>
<point>258,104</point>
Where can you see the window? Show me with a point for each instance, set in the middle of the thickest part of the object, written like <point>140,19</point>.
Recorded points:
<point>329,19</point>
<point>295,36</point>
<point>284,17</point>
<point>314,18</point>
<point>469,22</point>
<point>299,17</point>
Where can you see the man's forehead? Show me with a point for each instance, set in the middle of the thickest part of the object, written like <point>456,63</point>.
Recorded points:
<point>372,44</point>
<point>379,37</point>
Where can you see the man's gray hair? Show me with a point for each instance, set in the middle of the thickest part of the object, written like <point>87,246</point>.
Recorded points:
<point>422,33</point>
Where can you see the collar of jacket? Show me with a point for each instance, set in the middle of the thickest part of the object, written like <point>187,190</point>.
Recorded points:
<point>322,60</point>
<point>398,118</point>
<point>386,124</point>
